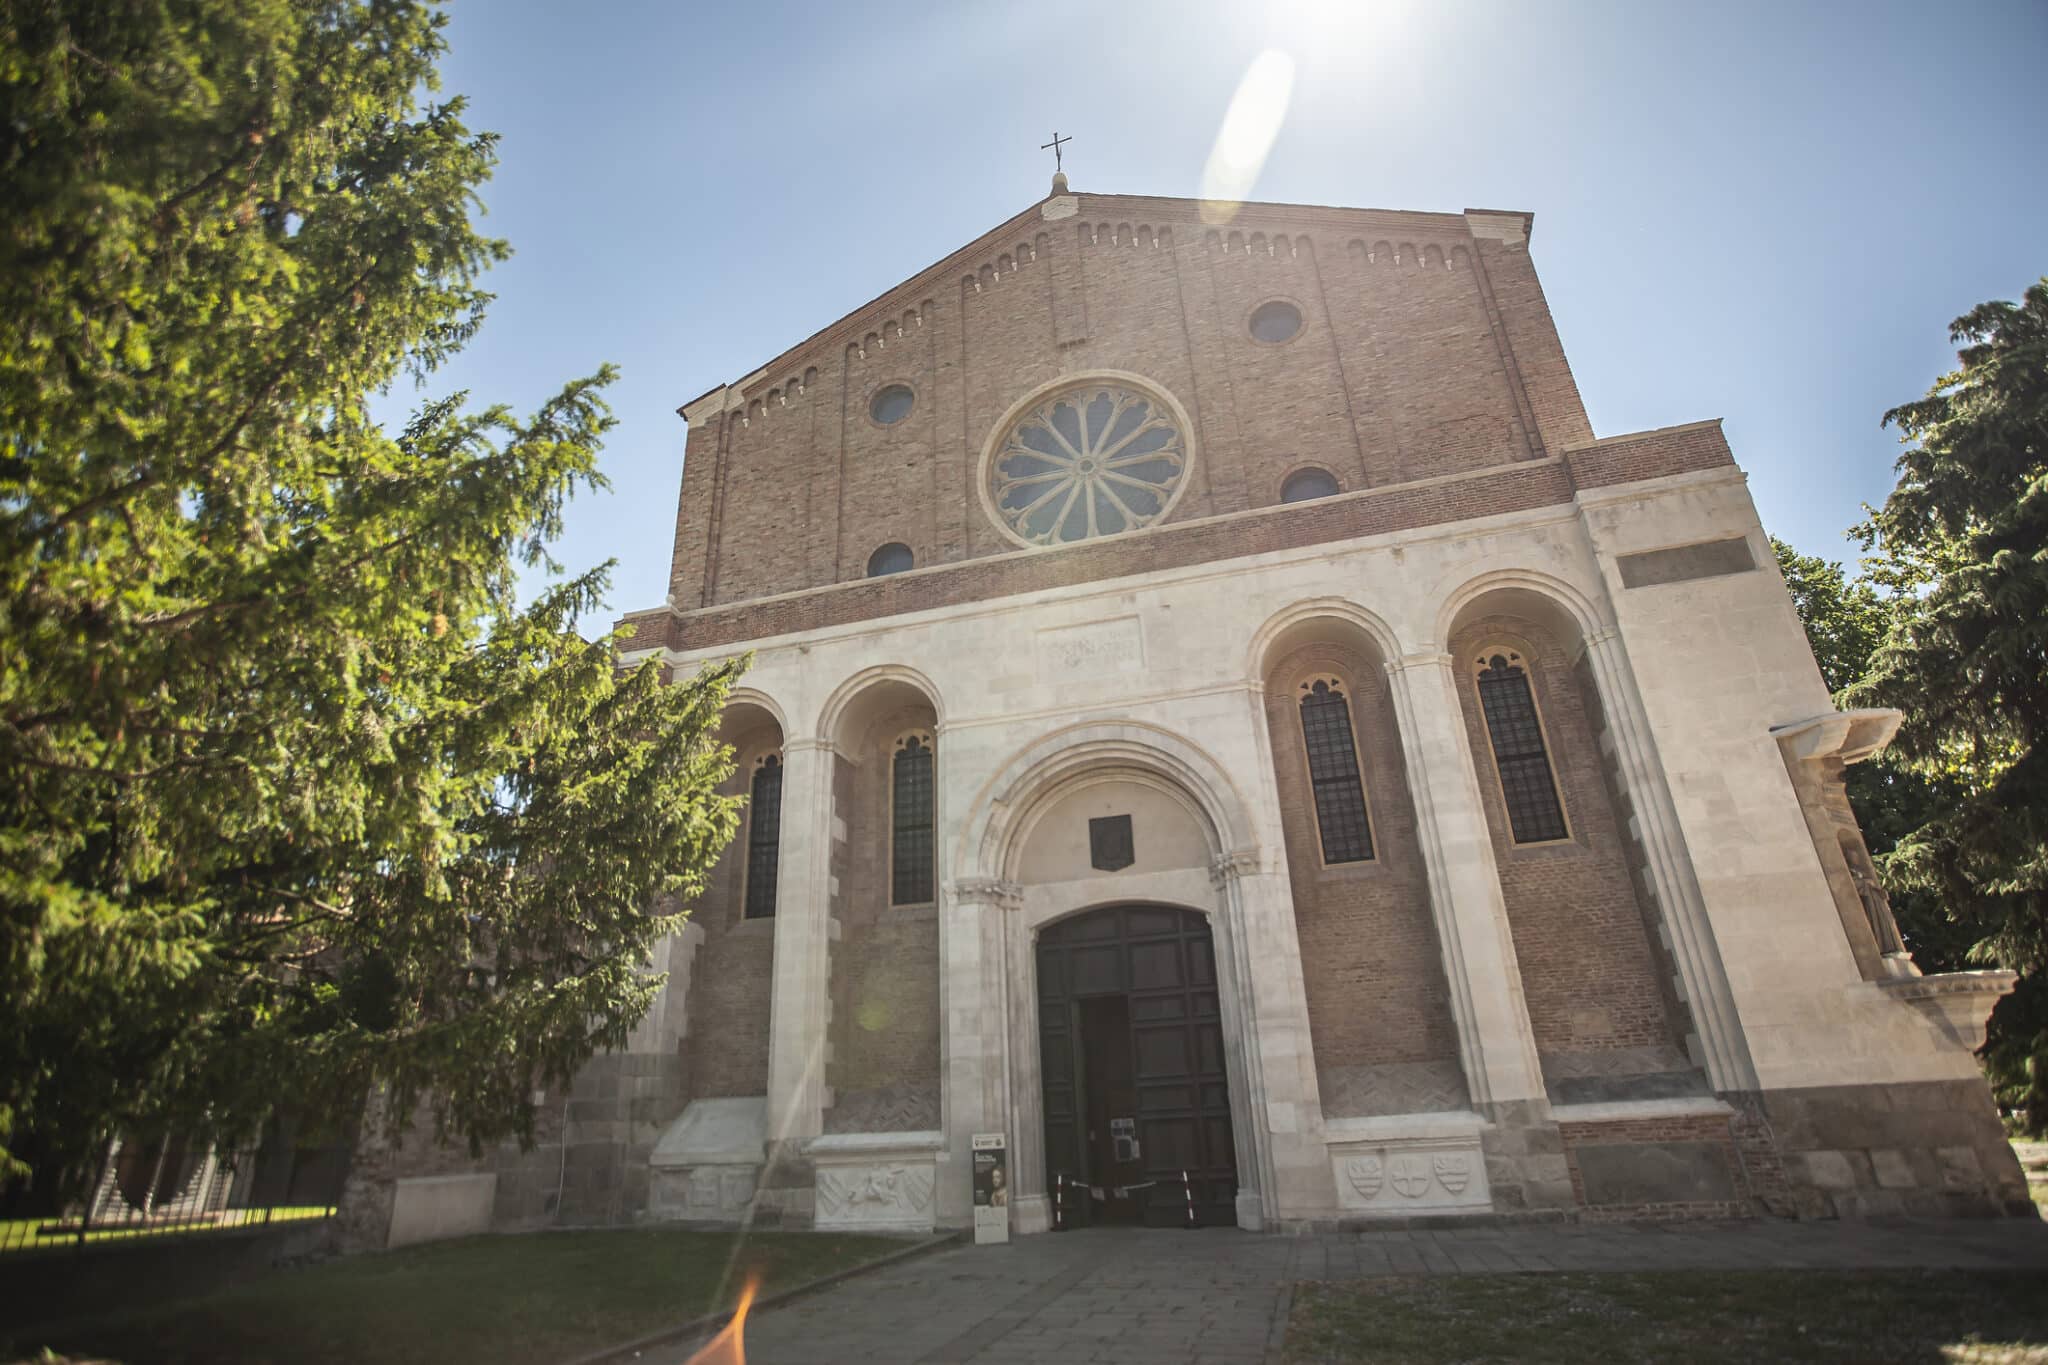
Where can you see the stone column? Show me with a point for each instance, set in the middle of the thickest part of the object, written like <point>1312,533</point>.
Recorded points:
<point>1495,1041</point>
<point>1684,912</point>
<point>800,1008</point>
<point>974,1042</point>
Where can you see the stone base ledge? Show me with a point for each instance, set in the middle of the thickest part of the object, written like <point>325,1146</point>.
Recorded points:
<point>1621,1111</point>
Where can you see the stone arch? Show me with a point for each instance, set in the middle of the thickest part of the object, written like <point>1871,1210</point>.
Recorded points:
<point>1000,813</point>
<point>1556,603</point>
<point>738,699</point>
<point>859,699</point>
<point>1315,617</point>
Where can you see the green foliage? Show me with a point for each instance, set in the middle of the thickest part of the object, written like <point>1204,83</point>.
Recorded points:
<point>294,797</point>
<point>1962,545</point>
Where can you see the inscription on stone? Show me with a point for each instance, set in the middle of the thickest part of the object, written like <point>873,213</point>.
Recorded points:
<point>1076,653</point>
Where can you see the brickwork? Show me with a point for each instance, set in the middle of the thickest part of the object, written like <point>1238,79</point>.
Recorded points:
<point>1370,958</point>
<point>1424,351</point>
<point>1588,972</point>
<point>885,965</point>
<point>1376,511</point>
<point>735,969</point>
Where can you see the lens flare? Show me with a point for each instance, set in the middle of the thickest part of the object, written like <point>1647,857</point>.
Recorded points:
<point>729,1347</point>
<point>1249,127</point>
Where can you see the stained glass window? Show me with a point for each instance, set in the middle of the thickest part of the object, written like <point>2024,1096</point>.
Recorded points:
<point>911,819</point>
<point>1333,773</point>
<point>1535,814</point>
<point>1089,461</point>
<point>764,837</point>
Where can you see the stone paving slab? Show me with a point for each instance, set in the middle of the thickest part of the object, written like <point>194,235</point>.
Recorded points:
<point>1155,1297</point>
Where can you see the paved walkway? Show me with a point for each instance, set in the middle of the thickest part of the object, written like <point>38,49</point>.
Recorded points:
<point>1138,1297</point>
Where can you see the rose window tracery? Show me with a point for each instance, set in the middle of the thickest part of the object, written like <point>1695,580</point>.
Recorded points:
<point>1092,460</point>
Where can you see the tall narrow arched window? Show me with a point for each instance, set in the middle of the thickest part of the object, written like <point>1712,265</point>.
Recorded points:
<point>1341,820</point>
<point>764,836</point>
<point>910,821</point>
<point>1527,785</point>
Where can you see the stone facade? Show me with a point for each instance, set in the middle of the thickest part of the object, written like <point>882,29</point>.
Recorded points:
<point>1684,1005</point>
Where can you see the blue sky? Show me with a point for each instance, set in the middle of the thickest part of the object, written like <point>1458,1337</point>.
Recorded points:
<point>1765,213</point>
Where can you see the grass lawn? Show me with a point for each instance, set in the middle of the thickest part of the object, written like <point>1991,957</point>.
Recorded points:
<point>1677,1316</point>
<point>534,1299</point>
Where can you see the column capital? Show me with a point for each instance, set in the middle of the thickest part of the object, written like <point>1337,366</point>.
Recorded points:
<point>1225,868</point>
<point>1427,658</point>
<point>1004,895</point>
<point>805,745</point>
<point>1601,635</point>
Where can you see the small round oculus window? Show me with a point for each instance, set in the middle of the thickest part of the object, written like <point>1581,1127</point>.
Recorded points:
<point>892,404</point>
<point>1276,321</point>
<point>1089,461</point>
<point>1304,484</point>
<point>894,557</point>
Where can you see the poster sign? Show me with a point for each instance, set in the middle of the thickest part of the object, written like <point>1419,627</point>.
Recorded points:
<point>991,1188</point>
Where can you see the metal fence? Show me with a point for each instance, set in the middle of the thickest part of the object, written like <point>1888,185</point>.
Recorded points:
<point>180,1188</point>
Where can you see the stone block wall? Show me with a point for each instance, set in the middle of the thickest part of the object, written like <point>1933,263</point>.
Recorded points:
<point>1929,1149</point>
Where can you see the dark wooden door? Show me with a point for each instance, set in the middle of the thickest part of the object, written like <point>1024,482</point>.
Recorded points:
<point>1162,962</point>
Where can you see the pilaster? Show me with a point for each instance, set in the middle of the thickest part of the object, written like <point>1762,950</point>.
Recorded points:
<point>974,1041</point>
<point>1684,910</point>
<point>800,1006</point>
<point>1495,1041</point>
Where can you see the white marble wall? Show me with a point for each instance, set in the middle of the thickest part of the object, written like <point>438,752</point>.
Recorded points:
<point>1159,676</point>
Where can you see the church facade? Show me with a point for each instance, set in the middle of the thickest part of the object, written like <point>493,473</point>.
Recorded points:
<point>1221,719</point>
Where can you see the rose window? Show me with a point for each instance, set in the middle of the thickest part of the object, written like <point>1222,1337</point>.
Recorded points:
<point>1088,461</point>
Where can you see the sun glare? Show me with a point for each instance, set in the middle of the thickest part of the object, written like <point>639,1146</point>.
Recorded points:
<point>1249,127</point>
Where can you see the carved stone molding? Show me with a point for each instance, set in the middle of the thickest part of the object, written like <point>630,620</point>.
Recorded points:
<point>1228,867</point>
<point>1958,1003</point>
<point>1004,895</point>
<point>1397,1178</point>
<point>1851,736</point>
<point>852,1196</point>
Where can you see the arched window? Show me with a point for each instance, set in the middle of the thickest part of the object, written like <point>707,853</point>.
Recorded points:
<point>764,836</point>
<point>894,557</point>
<point>1527,786</point>
<point>1304,484</point>
<point>910,822</point>
<point>1341,819</point>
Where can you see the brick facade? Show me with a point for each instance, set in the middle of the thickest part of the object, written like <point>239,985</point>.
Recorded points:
<point>1425,350</point>
<point>1378,1003</point>
<point>1588,971</point>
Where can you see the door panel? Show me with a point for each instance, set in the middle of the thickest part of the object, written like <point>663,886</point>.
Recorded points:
<point>1161,1053</point>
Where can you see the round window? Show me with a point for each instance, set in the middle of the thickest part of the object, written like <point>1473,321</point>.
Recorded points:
<point>892,404</point>
<point>1304,484</point>
<point>1092,460</point>
<point>1276,321</point>
<point>891,558</point>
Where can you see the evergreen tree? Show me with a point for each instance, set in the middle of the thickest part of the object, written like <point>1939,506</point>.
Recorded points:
<point>295,799</point>
<point>1962,544</point>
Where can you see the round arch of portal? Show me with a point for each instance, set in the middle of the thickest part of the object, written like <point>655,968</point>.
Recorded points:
<point>1196,909</point>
